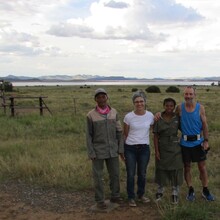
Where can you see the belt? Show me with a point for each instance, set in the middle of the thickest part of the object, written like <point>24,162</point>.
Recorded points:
<point>137,145</point>
<point>140,145</point>
<point>191,137</point>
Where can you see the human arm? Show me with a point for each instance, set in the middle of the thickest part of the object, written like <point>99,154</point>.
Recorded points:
<point>156,140</point>
<point>156,148</point>
<point>204,128</point>
<point>89,138</point>
<point>178,110</point>
<point>126,130</point>
<point>120,138</point>
<point>178,114</point>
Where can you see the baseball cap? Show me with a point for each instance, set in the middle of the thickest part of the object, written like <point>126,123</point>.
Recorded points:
<point>100,90</point>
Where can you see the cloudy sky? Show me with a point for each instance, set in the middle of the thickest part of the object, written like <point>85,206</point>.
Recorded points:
<point>132,38</point>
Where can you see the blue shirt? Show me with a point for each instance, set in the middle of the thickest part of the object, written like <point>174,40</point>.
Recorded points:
<point>191,124</point>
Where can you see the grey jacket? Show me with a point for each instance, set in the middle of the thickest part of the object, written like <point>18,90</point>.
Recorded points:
<point>104,135</point>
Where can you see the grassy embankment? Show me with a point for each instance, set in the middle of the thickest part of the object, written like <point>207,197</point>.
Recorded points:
<point>50,151</point>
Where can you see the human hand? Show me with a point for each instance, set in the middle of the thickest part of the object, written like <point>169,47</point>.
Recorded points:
<point>157,116</point>
<point>92,158</point>
<point>205,146</point>
<point>157,155</point>
<point>122,156</point>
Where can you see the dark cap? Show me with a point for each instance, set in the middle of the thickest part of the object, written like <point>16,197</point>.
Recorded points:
<point>100,90</point>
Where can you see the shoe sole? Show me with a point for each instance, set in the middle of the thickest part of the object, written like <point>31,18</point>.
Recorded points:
<point>132,204</point>
<point>191,200</point>
<point>159,199</point>
<point>146,200</point>
<point>175,202</point>
<point>207,199</point>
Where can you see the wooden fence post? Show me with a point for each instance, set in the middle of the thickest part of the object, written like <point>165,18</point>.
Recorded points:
<point>3,95</point>
<point>12,106</point>
<point>41,105</point>
<point>3,103</point>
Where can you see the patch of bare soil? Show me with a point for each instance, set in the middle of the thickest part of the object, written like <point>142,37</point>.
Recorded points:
<point>23,202</point>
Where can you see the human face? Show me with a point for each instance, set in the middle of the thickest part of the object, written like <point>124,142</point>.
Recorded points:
<point>169,107</point>
<point>189,94</point>
<point>139,103</point>
<point>101,100</point>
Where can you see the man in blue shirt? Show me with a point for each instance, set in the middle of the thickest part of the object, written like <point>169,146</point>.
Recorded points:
<point>194,141</point>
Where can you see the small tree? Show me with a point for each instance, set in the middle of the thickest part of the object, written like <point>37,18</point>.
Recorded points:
<point>173,89</point>
<point>153,89</point>
<point>6,86</point>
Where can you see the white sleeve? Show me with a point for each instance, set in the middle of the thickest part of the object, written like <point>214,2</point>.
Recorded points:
<point>127,119</point>
<point>152,119</point>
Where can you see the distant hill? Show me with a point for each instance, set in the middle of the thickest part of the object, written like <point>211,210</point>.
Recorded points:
<point>83,77</point>
<point>13,78</point>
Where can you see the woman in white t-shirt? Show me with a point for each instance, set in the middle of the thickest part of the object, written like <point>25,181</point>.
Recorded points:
<point>137,126</point>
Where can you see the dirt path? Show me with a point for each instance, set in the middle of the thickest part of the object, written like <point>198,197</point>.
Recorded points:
<point>22,202</point>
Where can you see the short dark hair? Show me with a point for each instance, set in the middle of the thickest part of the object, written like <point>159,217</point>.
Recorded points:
<point>169,100</point>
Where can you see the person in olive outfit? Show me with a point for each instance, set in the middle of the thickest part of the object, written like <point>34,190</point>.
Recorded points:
<point>168,155</point>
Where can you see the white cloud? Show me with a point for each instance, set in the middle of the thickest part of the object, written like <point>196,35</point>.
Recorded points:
<point>154,37</point>
<point>121,20</point>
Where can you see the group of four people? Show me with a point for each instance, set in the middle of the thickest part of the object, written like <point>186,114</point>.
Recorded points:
<point>106,140</point>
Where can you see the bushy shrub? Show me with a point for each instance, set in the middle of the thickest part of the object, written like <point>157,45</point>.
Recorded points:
<point>134,89</point>
<point>153,89</point>
<point>173,89</point>
<point>6,86</point>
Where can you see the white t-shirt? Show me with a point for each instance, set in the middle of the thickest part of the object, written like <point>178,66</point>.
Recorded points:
<point>139,127</point>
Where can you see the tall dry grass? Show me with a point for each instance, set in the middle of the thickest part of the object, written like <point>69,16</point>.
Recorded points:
<point>50,150</point>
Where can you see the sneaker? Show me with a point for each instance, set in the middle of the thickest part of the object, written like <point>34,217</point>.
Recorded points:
<point>208,196</point>
<point>159,196</point>
<point>175,199</point>
<point>116,200</point>
<point>101,205</point>
<point>132,203</point>
<point>191,196</point>
<point>143,199</point>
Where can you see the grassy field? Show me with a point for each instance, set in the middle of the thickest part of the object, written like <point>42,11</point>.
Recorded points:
<point>50,150</point>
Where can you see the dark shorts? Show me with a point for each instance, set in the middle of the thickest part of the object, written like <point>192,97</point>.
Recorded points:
<point>193,154</point>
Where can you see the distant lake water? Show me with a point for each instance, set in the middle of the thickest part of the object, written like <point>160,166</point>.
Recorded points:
<point>117,82</point>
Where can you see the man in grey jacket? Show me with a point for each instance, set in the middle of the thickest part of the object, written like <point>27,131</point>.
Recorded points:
<point>104,144</point>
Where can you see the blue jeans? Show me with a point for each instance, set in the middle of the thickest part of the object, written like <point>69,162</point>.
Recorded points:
<point>136,157</point>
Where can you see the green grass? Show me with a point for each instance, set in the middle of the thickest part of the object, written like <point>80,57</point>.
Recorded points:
<point>50,150</point>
